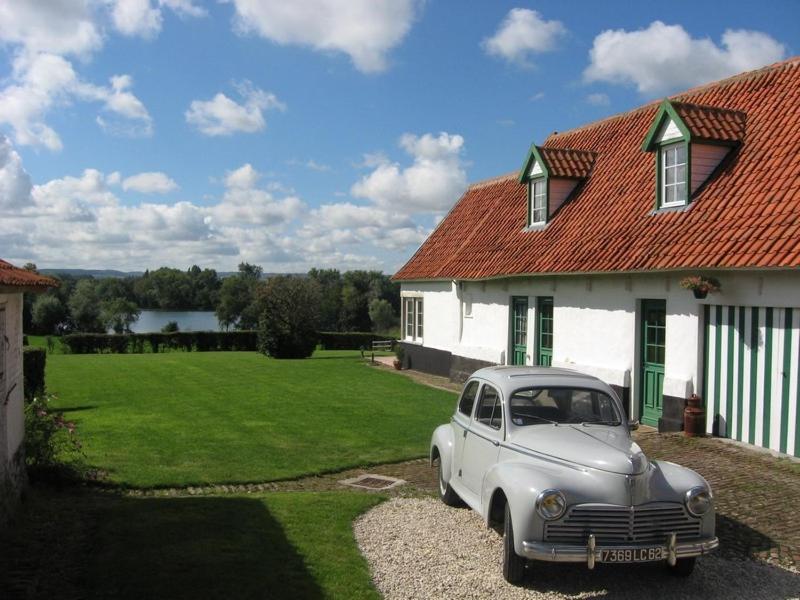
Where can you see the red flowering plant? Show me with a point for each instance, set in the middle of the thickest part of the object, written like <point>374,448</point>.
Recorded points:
<point>701,285</point>
<point>51,444</point>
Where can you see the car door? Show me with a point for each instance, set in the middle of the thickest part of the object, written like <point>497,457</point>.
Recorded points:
<point>482,442</point>
<point>461,421</point>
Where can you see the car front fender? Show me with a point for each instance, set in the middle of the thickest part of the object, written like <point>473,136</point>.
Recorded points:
<point>442,442</point>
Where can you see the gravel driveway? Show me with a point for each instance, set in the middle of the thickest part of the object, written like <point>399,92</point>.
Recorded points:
<point>420,548</point>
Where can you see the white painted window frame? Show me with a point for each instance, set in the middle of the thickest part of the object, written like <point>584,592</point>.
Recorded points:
<point>663,151</point>
<point>413,307</point>
<point>533,196</point>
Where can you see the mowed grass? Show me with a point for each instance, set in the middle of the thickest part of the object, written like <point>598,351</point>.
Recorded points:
<point>80,543</point>
<point>179,419</point>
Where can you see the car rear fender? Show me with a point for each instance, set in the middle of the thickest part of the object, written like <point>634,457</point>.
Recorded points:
<point>442,447</point>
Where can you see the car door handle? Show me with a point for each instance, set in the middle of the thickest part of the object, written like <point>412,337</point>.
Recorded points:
<point>465,433</point>
<point>496,443</point>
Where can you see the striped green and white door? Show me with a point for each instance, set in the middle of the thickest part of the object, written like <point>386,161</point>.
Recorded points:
<point>544,331</point>
<point>654,328</point>
<point>519,329</point>
<point>751,383</point>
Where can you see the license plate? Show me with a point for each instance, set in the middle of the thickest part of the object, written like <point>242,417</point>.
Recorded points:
<point>633,555</point>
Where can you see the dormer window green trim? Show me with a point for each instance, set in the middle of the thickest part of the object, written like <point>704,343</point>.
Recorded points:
<point>533,157</point>
<point>671,141</point>
<point>537,201</point>
<point>666,112</point>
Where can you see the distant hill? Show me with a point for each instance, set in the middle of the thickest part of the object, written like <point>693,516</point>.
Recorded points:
<point>96,273</point>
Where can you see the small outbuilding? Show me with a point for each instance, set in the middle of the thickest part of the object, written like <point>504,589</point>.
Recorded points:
<point>14,282</point>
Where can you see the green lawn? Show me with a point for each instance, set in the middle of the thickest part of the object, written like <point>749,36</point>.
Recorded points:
<point>78,543</point>
<point>180,419</point>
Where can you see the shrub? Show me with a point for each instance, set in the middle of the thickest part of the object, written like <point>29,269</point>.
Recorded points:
<point>287,327</point>
<point>51,443</point>
<point>348,340</point>
<point>138,343</point>
<point>48,313</point>
<point>170,327</point>
<point>33,364</point>
<point>381,314</point>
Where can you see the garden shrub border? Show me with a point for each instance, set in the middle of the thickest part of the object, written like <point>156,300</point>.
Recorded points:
<point>142,343</point>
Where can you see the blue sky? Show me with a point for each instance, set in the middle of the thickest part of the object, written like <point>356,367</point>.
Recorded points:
<point>139,133</point>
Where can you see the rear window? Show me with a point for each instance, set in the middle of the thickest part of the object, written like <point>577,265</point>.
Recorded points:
<point>535,406</point>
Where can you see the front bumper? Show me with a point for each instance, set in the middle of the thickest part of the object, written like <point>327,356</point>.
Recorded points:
<point>592,553</point>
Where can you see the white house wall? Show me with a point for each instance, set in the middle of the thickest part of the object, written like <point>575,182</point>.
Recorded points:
<point>595,320</point>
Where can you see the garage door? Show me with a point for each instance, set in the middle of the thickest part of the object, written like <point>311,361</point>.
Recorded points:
<point>751,381</point>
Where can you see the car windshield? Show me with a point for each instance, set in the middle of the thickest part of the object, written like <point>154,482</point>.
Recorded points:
<point>536,406</point>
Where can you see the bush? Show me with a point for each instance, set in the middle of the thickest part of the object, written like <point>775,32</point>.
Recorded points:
<point>138,343</point>
<point>348,340</point>
<point>51,443</point>
<point>170,327</point>
<point>33,363</point>
<point>287,327</point>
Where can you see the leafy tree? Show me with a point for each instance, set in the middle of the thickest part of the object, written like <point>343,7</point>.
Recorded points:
<point>170,327</point>
<point>237,298</point>
<point>48,313</point>
<point>118,314</point>
<point>330,283</point>
<point>84,307</point>
<point>289,318</point>
<point>381,314</point>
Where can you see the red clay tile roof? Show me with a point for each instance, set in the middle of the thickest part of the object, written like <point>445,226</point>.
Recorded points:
<point>710,123</point>
<point>747,216</point>
<point>12,276</point>
<point>564,162</point>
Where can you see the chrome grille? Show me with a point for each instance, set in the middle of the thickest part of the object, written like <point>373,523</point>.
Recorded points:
<point>612,524</point>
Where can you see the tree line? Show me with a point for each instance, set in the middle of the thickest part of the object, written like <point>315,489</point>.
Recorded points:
<point>348,301</point>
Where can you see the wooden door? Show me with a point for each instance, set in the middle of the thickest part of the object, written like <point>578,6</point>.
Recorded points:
<point>654,315</point>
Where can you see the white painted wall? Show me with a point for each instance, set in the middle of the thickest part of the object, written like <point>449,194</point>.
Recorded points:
<point>536,169</point>
<point>669,131</point>
<point>596,326</point>
<point>705,158</point>
<point>12,421</point>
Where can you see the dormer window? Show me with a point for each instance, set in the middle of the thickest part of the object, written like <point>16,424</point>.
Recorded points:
<point>673,174</point>
<point>537,194</point>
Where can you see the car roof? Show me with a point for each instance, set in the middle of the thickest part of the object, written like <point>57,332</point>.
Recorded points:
<point>510,378</point>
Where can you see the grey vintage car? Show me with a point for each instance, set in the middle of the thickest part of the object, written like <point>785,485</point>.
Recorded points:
<point>545,455</point>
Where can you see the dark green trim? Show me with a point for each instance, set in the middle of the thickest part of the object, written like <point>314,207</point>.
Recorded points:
<point>665,111</point>
<point>740,376</point>
<point>751,437</point>
<point>729,379</point>
<point>706,338</point>
<point>533,154</point>
<point>717,361</point>
<point>659,169</point>
<point>787,369</point>
<point>767,378</point>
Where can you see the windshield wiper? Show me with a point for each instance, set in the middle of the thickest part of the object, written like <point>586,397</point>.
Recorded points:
<point>609,423</point>
<point>523,417</point>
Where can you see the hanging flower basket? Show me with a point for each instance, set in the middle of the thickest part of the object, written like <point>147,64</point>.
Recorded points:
<point>700,285</point>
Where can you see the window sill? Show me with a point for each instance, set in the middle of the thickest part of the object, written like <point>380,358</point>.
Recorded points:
<point>671,209</point>
<point>536,227</point>
<point>410,341</point>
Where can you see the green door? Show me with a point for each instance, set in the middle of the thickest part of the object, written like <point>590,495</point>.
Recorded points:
<point>544,331</point>
<point>654,314</point>
<point>519,329</point>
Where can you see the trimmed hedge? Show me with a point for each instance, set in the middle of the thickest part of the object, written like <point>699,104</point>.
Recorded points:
<point>33,363</point>
<point>139,343</point>
<point>348,340</point>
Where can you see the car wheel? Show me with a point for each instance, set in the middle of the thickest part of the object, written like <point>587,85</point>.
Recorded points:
<point>683,567</point>
<point>446,493</point>
<point>513,563</point>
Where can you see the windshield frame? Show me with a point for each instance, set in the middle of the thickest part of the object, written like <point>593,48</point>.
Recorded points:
<point>615,403</point>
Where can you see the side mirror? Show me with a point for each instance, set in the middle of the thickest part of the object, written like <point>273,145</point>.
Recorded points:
<point>633,424</point>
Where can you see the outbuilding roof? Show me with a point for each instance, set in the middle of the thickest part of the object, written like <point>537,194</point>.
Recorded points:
<point>11,276</point>
<point>747,215</point>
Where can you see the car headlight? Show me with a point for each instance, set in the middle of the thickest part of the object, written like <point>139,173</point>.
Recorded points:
<point>550,504</point>
<point>698,501</point>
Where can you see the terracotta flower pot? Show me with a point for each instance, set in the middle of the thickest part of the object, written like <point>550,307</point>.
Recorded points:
<point>397,364</point>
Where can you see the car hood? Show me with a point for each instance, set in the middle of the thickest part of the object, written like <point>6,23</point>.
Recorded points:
<point>598,447</point>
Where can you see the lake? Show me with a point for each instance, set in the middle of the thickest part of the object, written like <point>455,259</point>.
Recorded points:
<point>188,320</point>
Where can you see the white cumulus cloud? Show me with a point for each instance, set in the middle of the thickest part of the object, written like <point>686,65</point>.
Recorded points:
<point>663,58</point>
<point>522,33</point>
<point>365,30</point>
<point>432,183</point>
<point>15,183</point>
<point>598,99</point>
<point>63,27</point>
<point>144,18</point>
<point>223,116</point>
<point>152,182</point>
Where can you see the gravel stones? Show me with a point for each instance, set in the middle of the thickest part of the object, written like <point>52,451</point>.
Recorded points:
<point>422,549</point>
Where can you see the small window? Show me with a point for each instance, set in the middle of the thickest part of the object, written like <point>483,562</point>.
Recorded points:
<point>412,312</point>
<point>490,412</point>
<point>468,398</point>
<point>673,175</point>
<point>538,201</point>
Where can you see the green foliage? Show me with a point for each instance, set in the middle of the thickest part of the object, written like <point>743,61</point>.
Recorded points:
<point>173,289</point>
<point>48,314</point>
<point>381,314</point>
<point>237,305</point>
<point>139,343</point>
<point>400,353</point>
<point>222,417</point>
<point>33,369</point>
<point>289,317</point>
<point>118,314</point>
<point>347,340</point>
<point>330,303</point>
<point>50,440</point>
<point>170,327</point>
<point>84,306</point>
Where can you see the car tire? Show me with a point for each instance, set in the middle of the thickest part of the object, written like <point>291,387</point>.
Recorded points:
<point>513,563</point>
<point>446,493</point>
<point>683,567</point>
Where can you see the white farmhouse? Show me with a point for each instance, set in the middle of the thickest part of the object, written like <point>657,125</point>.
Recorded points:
<point>577,261</point>
<point>13,283</point>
